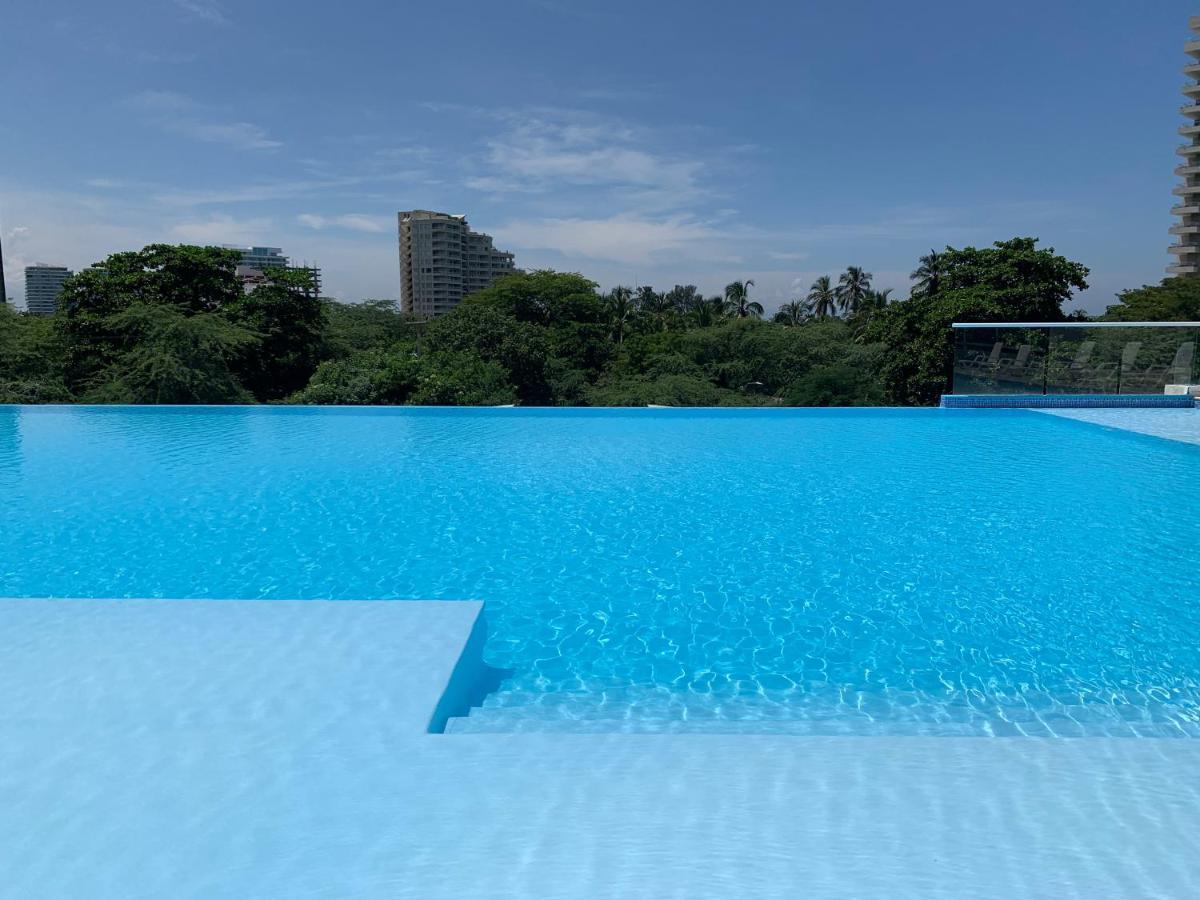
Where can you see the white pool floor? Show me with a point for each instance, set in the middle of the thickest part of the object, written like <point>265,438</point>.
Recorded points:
<point>154,749</point>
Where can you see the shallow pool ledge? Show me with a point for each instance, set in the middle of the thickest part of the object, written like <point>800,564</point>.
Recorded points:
<point>277,670</point>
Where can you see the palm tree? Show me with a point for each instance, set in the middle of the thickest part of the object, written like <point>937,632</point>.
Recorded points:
<point>853,288</point>
<point>682,298</point>
<point>737,296</point>
<point>647,299</point>
<point>878,300</point>
<point>930,274</point>
<point>619,305</point>
<point>822,298</point>
<point>792,313</point>
<point>659,308</point>
<point>705,312</point>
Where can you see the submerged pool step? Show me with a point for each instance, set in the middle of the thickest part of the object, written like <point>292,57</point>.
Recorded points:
<point>549,721</point>
<point>817,710</point>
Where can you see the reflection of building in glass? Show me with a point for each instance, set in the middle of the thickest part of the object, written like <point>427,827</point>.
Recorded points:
<point>1075,357</point>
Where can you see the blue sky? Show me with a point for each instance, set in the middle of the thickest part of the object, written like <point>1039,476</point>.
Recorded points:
<point>660,142</point>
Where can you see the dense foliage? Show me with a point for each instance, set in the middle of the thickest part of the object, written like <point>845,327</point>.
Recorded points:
<point>1175,300</point>
<point>172,324</point>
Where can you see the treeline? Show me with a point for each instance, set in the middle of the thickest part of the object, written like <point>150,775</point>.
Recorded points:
<point>172,324</point>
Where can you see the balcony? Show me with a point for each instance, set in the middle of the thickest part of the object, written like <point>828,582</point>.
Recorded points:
<point>1184,171</point>
<point>1182,269</point>
<point>1192,48</point>
<point>1192,89</point>
<point>1186,209</point>
<point>1188,149</point>
<point>1192,70</point>
<point>1188,250</point>
<point>1184,229</point>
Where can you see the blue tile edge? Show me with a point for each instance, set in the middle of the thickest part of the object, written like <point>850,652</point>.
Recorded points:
<point>1066,401</point>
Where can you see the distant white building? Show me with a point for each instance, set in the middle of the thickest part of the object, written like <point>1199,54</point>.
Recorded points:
<point>442,260</point>
<point>256,260</point>
<point>43,284</point>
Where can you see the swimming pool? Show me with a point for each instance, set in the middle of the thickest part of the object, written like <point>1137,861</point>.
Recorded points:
<point>936,572</point>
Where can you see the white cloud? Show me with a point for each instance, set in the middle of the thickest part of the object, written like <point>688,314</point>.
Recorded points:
<point>350,221</point>
<point>203,10</point>
<point>179,114</point>
<point>253,193</point>
<point>239,135</point>
<point>223,229</point>
<point>622,238</point>
<point>544,151</point>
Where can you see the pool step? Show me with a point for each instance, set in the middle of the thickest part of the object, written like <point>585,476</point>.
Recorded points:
<point>547,720</point>
<point>814,710</point>
<point>728,710</point>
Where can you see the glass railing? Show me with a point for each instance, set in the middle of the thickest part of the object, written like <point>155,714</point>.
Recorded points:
<point>1075,358</point>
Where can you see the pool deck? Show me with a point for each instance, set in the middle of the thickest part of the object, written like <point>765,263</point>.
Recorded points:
<point>168,748</point>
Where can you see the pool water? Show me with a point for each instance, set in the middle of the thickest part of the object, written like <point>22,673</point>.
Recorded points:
<point>991,572</point>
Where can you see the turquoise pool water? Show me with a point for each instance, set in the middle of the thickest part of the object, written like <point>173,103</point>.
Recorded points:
<point>988,572</point>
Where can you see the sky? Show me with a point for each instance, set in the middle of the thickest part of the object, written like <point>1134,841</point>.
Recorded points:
<point>637,143</point>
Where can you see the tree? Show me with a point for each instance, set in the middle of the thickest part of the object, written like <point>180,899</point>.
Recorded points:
<point>792,313</point>
<point>620,309</point>
<point>461,379</point>
<point>350,327</point>
<point>928,274</point>
<point>1011,281</point>
<point>521,349</point>
<point>822,298</point>
<point>877,300</point>
<point>854,287</point>
<point>190,280</point>
<point>1175,300</point>
<point>367,377</point>
<point>543,298</point>
<point>31,360</point>
<point>288,319</point>
<point>682,298</point>
<point>174,357</point>
<point>737,298</point>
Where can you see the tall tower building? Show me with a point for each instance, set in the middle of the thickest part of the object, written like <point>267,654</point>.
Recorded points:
<point>43,284</point>
<point>1187,232</point>
<point>3,291</point>
<point>442,260</point>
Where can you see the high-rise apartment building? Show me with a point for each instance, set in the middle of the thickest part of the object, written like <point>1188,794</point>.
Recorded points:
<point>43,284</point>
<point>1187,232</point>
<point>442,260</point>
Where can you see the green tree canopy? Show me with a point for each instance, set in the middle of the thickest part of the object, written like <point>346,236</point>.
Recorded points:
<point>1011,281</point>
<point>1175,300</point>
